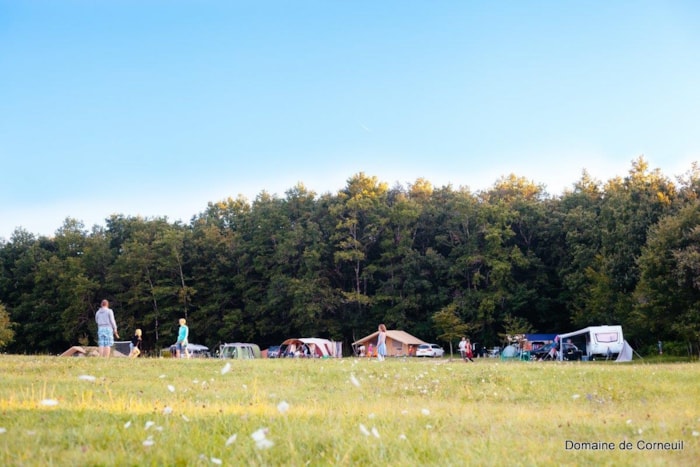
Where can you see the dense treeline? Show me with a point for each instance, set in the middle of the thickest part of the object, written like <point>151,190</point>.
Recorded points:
<point>428,260</point>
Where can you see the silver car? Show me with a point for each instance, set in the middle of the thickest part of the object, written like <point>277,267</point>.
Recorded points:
<point>430,350</point>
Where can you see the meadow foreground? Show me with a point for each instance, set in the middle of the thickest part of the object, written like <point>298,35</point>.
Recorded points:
<point>91,411</point>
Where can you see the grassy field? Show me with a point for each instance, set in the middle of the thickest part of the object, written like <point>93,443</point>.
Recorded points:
<point>90,411</point>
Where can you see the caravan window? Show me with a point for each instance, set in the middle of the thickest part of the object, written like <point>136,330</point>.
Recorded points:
<point>606,337</point>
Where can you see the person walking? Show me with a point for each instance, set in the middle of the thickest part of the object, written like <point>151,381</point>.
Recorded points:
<point>381,343</point>
<point>182,335</point>
<point>106,329</point>
<point>136,344</point>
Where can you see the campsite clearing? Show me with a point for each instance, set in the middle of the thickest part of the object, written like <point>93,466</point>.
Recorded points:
<point>90,411</point>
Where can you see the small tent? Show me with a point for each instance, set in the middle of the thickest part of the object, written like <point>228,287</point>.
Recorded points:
<point>625,354</point>
<point>315,346</point>
<point>398,343</point>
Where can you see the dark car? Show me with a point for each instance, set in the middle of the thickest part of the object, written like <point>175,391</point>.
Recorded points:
<point>571,352</point>
<point>273,351</point>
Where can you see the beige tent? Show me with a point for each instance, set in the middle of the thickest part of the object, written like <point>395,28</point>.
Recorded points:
<point>398,343</point>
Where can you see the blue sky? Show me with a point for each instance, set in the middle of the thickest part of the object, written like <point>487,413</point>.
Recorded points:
<point>156,108</point>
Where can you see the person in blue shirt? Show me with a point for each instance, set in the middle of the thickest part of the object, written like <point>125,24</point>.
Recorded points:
<point>182,335</point>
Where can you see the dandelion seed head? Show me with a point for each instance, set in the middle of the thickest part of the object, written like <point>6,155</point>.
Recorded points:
<point>86,378</point>
<point>49,402</point>
<point>364,430</point>
<point>171,388</point>
<point>226,369</point>
<point>231,439</point>
<point>375,432</point>
<point>355,382</point>
<point>127,424</point>
<point>167,410</point>
<point>216,461</point>
<point>425,412</point>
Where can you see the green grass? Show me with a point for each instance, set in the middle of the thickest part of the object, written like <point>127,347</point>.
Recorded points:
<point>424,412</point>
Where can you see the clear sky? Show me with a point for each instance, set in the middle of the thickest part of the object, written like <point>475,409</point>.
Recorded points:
<point>156,108</point>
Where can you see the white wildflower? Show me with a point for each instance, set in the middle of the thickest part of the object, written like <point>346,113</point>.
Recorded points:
<point>226,369</point>
<point>149,441</point>
<point>354,381</point>
<point>629,422</point>
<point>171,388</point>
<point>402,436</point>
<point>86,378</point>
<point>259,434</point>
<point>3,430</point>
<point>260,438</point>
<point>375,432</point>
<point>185,418</point>
<point>148,425</point>
<point>425,412</point>
<point>49,402</point>
<point>371,416</point>
<point>167,410</point>
<point>283,407</point>
<point>127,424</point>
<point>162,376</point>
<point>364,430</point>
<point>231,439</point>
<point>575,396</point>
<point>696,433</point>
<point>216,461</point>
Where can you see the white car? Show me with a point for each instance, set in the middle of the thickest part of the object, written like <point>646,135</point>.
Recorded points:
<point>430,350</point>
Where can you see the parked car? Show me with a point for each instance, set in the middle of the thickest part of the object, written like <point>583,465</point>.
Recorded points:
<point>273,351</point>
<point>430,350</point>
<point>239,350</point>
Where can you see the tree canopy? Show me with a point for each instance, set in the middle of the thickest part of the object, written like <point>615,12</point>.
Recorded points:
<point>435,262</point>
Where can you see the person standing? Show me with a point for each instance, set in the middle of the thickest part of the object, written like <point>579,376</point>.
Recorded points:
<point>468,351</point>
<point>381,343</point>
<point>136,344</point>
<point>463,348</point>
<point>182,335</point>
<point>106,329</point>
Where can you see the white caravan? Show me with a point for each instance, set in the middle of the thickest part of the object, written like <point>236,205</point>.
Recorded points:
<point>605,340</point>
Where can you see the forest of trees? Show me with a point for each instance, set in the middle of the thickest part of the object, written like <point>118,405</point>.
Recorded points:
<point>508,259</point>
